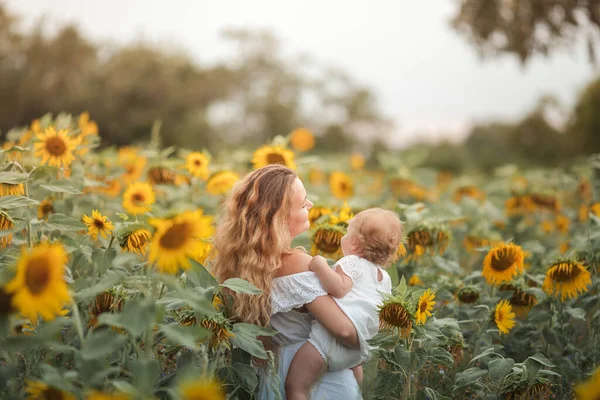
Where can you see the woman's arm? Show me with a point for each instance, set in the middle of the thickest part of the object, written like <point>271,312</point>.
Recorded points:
<point>327,312</point>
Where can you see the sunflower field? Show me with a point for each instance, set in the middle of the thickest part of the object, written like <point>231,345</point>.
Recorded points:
<point>106,291</point>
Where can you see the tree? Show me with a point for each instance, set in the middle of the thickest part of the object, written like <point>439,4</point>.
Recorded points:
<point>528,27</point>
<point>583,130</point>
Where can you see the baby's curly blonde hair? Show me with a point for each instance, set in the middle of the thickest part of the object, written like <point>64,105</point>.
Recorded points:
<point>378,235</point>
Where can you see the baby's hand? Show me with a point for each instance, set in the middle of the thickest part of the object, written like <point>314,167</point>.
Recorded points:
<point>316,260</point>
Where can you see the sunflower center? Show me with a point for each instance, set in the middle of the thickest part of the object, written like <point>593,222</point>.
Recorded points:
<point>138,198</point>
<point>175,236</point>
<point>99,224</point>
<point>56,146</point>
<point>37,275</point>
<point>499,316</point>
<point>197,163</point>
<point>566,274</point>
<point>502,262</point>
<point>47,208</point>
<point>328,241</point>
<point>396,315</point>
<point>423,306</point>
<point>52,394</point>
<point>275,158</point>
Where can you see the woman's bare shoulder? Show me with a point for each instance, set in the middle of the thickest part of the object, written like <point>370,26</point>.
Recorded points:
<point>294,263</point>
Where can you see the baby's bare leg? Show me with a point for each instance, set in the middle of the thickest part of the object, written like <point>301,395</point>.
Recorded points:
<point>358,374</point>
<point>306,367</point>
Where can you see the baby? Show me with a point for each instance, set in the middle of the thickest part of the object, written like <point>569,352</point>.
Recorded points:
<point>356,282</point>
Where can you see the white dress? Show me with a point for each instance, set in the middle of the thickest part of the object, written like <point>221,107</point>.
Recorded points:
<point>360,305</point>
<point>287,293</point>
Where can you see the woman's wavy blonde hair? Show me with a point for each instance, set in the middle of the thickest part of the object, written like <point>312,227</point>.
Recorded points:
<point>252,236</point>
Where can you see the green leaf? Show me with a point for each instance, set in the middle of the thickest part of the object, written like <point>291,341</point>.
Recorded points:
<point>103,259</point>
<point>241,286</point>
<point>449,266</point>
<point>12,202</point>
<point>402,357</point>
<point>487,352</point>
<point>499,367</point>
<point>13,178</point>
<point>145,375</point>
<point>539,357</point>
<point>418,358</point>
<point>532,368</point>
<point>432,394</point>
<point>107,282</point>
<point>246,375</point>
<point>245,339</point>
<point>101,344</point>
<point>469,376</point>
<point>135,318</point>
<point>15,148</point>
<point>441,356</point>
<point>62,222</point>
<point>61,187</point>
<point>185,335</point>
<point>577,313</point>
<point>198,275</point>
<point>401,289</point>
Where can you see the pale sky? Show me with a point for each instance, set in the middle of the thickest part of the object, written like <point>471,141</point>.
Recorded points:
<point>428,80</point>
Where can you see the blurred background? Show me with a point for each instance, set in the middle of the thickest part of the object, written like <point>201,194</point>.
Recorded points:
<point>465,85</point>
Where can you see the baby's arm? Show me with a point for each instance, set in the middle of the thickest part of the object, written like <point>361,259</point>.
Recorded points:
<point>334,281</point>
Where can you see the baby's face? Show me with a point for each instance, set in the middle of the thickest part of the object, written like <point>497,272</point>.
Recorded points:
<point>348,243</point>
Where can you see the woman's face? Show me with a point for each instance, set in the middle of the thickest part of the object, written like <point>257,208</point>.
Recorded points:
<point>298,220</point>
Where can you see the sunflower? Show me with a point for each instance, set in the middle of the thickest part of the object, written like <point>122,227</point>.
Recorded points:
<point>221,182</point>
<point>133,165</point>
<point>327,241</point>
<point>219,327</point>
<point>273,155</point>
<point>406,189</point>
<point>595,209</point>
<point>86,126</point>
<point>162,176</point>
<point>55,148</point>
<point>105,302</point>
<point>178,238</point>
<point>37,390</point>
<point>39,286</point>
<point>424,238</point>
<point>562,223</point>
<point>590,389</point>
<point>401,251</point>
<point>547,226</point>
<point>519,205</point>
<point>9,189</point>
<point>201,389</point>
<point>197,165</point>
<point>98,224</point>
<point>302,139</point>
<point>357,161</point>
<point>545,202</point>
<point>135,241</point>
<point>468,191</point>
<point>317,212</point>
<point>468,295</point>
<point>584,190</point>
<point>537,391</point>
<point>424,306</point>
<point>95,395</point>
<point>341,185</point>
<point>6,223</point>
<point>518,185</point>
<point>45,208</point>
<point>316,177</point>
<point>503,263</point>
<point>504,317</point>
<point>138,198</point>
<point>415,281</point>
<point>567,278</point>
<point>521,301</point>
<point>342,216</point>
<point>394,315</point>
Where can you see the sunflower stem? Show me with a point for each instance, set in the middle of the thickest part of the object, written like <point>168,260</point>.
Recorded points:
<point>78,324</point>
<point>29,233</point>
<point>112,239</point>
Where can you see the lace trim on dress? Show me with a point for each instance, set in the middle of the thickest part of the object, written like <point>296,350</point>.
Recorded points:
<point>293,291</point>
<point>351,267</point>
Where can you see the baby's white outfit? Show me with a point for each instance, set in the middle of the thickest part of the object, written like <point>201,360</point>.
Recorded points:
<point>360,305</point>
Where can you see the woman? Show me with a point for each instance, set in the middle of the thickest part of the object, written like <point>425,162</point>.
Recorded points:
<point>265,211</point>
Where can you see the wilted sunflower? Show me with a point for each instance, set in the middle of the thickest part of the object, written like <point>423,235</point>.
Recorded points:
<point>519,205</point>
<point>219,327</point>
<point>357,161</point>
<point>267,155</point>
<point>162,176</point>
<point>221,182</point>
<point>468,295</point>
<point>468,191</point>
<point>45,208</point>
<point>341,185</point>
<point>424,306</point>
<point>537,391</point>
<point>503,263</point>
<point>590,389</point>
<point>545,202</point>
<point>95,395</point>
<point>415,281</point>
<point>138,198</point>
<point>105,302</point>
<point>178,238</point>
<point>424,238</point>
<point>568,278</point>
<point>6,223</point>
<point>406,189</point>
<point>521,301</point>
<point>98,224</point>
<point>327,241</point>
<point>37,390</point>
<point>394,315</point>
<point>55,148</point>
<point>317,212</point>
<point>9,189</point>
<point>197,165</point>
<point>302,139</point>
<point>504,317</point>
<point>135,241</point>
<point>201,389</point>
<point>39,286</point>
